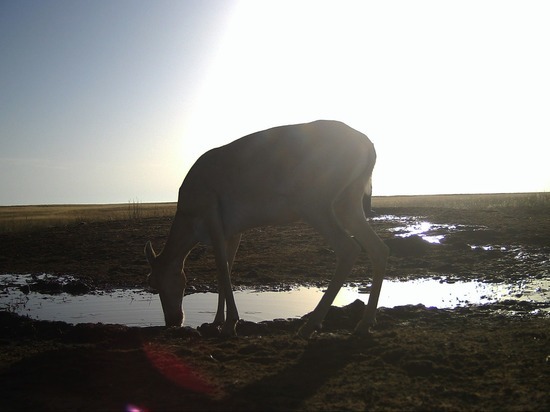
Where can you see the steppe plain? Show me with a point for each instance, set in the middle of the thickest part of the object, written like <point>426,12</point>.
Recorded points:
<point>490,357</point>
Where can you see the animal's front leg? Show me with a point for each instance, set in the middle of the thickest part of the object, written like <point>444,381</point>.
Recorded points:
<point>225,298</point>
<point>223,262</point>
<point>226,295</point>
<point>231,250</point>
<point>219,319</point>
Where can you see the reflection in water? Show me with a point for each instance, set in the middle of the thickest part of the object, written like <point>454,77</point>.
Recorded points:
<point>140,308</point>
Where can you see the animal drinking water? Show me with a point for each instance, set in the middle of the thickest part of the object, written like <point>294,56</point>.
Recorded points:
<point>318,172</point>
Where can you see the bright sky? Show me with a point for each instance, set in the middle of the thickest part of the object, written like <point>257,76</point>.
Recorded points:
<point>111,101</point>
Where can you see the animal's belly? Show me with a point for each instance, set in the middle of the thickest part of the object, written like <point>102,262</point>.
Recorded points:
<point>247,215</point>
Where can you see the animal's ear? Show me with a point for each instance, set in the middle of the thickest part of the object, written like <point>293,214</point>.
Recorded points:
<point>150,253</point>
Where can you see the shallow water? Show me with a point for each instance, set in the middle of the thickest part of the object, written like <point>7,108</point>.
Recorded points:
<point>141,308</point>
<point>134,307</point>
<point>418,226</point>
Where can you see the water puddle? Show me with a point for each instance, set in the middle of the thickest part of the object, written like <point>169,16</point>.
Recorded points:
<point>417,226</point>
<point>134,307</point>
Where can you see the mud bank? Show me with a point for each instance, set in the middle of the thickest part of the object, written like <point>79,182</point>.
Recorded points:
<point>416,359</point>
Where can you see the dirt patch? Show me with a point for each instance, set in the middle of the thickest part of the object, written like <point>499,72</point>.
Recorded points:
<point>417,358</point>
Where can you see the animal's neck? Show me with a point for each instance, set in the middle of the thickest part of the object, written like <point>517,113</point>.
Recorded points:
<point>178,244</point>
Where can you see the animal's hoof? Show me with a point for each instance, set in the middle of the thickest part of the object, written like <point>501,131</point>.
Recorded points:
<point>362,333</point>
<point>303,333</point>
<point>307,330</point>
<point>209,330</point>
<point>229,330</point>
<point>364,328</point>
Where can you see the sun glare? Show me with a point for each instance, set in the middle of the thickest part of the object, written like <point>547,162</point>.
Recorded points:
<point>422,89</point>
<point>251,87</point>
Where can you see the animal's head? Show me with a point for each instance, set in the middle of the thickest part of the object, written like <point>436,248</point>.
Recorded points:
<point>169,280</point>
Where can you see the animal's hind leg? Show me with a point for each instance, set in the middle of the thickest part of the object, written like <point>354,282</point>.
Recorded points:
<point>349,211</point>
<point>347,252</point>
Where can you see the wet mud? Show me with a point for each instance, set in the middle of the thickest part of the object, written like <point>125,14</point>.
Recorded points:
<point>491,357</point>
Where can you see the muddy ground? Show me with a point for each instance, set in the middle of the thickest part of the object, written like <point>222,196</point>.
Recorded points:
<point>493,357</point>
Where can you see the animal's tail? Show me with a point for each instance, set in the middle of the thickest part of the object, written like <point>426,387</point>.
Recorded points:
<point>367,197</point>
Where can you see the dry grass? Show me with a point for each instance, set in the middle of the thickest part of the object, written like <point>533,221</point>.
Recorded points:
<point>24,218</point>
<point>535,201</point>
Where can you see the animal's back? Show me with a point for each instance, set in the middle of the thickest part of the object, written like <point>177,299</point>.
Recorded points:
<point>276,172</point>
<point>300,153</point>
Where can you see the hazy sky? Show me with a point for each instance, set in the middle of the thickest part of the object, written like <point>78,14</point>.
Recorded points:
<point>112,101</point>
